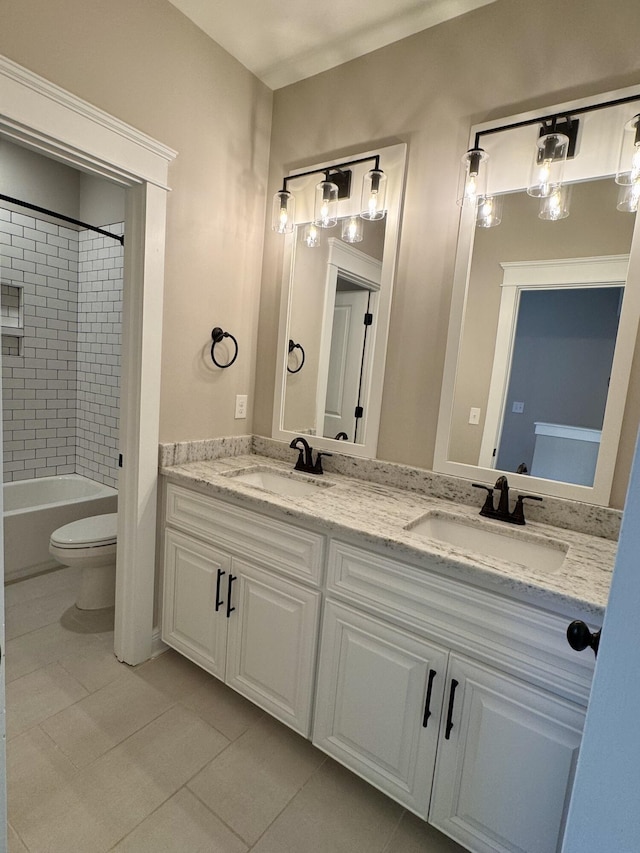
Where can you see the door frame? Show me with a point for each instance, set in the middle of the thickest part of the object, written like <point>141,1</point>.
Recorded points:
<point>51,121</point>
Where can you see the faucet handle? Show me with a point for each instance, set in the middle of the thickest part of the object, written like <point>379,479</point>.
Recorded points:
<point>517,515</point>
<point>487,507</point>
<point>317,469</point>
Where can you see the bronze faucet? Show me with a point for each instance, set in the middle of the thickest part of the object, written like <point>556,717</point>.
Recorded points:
<point>502,512</point>
<point>305,457</point>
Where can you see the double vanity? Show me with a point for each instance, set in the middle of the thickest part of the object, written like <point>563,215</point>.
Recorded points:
<point>418,644</point>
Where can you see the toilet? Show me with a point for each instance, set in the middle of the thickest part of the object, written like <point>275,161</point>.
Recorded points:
<point>90,544</point>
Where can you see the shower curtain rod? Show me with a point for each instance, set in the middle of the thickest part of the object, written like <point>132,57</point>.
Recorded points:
<point>26,204</point>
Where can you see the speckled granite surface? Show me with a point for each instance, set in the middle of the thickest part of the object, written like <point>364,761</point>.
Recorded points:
<point>375,514</point>
<point>571,515</point>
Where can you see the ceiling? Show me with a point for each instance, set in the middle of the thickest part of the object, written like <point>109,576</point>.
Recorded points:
<point>283,42</point>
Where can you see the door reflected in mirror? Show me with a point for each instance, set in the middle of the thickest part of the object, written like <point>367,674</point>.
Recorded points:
<point>335,287</point>
<point>553,409</point>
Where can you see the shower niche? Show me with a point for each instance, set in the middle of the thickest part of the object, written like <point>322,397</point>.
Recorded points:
<point>12,314</point>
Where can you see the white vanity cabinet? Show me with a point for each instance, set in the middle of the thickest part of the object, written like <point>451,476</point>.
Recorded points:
<point>492,765</point>
<point>241,599</point>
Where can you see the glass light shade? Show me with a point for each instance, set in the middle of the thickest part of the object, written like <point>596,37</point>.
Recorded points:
<point>629,160</point>
<point>556,205</point>
<point>475,176</point>
<point>353,229</point>
<point>311,235</point>
<point>326,205</point>
<point>489,213</point>
<point>548,164</point>
<point>628,198</point>
<point>283,212</point>
<point>374,191</point>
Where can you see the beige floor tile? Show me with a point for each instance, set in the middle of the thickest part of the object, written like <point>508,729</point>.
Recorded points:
<point>38,648</point>
<point>36,770</point>
<point>15,845</point>
<point>34,697</point>
<point>30,615</point>
<point>91,727</point>
<point>335,812</point>
<point>250,783</point>
<point>172,674</point>
<point>106,801</point>
<point>94,666</point>
<point>416,836</point>
<point>181,824</point>
<point>63,579</point>
<point>223,708</point>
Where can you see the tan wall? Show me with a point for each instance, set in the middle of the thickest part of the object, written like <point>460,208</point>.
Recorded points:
<point>146,64</point>
<point>428,90</point>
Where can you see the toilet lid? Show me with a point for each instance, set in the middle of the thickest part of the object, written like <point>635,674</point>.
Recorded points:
<point>87,532</point>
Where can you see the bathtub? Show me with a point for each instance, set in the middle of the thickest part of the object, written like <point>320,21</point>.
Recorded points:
<point>33,509</point>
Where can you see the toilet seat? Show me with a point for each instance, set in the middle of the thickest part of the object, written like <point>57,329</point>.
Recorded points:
<point>98,531</point>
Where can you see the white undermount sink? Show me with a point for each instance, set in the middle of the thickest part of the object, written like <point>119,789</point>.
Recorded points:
<point>287,485</point>
<point>487,539</point>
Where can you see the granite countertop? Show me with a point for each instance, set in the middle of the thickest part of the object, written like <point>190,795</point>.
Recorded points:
<point>376,515</point>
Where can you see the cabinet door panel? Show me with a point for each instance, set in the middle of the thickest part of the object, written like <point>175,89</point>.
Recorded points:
<point>272,644</point>
<point>504,775</point>
<point>190,622</point>
<point>370,710</point>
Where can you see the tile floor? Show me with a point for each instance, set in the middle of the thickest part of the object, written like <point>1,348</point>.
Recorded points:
<point>163,757</point>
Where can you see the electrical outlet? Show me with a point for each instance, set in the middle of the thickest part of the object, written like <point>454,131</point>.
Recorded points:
<point>474,416</point>
<point>518,408</point>
<point>241,406</point>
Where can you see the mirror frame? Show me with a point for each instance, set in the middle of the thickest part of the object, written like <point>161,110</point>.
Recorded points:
<point>511,150</point>
<point>393,163</point>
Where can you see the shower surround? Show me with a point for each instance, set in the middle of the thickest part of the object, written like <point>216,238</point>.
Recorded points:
<point>60,395</point>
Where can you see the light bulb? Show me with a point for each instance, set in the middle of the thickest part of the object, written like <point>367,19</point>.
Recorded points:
<point>489,212</point>
<point>374,187</point>
<point>556,205</point>
<point>629,159</point>
<point>635,164</point>
<point>352,230</point>
<point>311,237</point>
<point>548,164</point>
<point>283,212</point>
<point>326,205</point>
<point>475,176</point>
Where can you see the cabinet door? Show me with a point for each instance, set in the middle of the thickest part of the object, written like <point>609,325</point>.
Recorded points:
<point>505,763</point>
<point>272,644</point>
<point>379,702</point>
<point>194,615</point>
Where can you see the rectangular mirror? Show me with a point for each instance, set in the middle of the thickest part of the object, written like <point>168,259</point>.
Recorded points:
<point>334,318</point>
<point>544,320</point>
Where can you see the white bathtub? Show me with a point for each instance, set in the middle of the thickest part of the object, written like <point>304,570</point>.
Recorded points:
<point>33,509</point>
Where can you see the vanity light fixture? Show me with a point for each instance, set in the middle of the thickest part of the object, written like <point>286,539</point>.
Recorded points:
<point>475,175</point>
<point>353,230</point>
<point>335,186</point>
<point>557,142</point>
